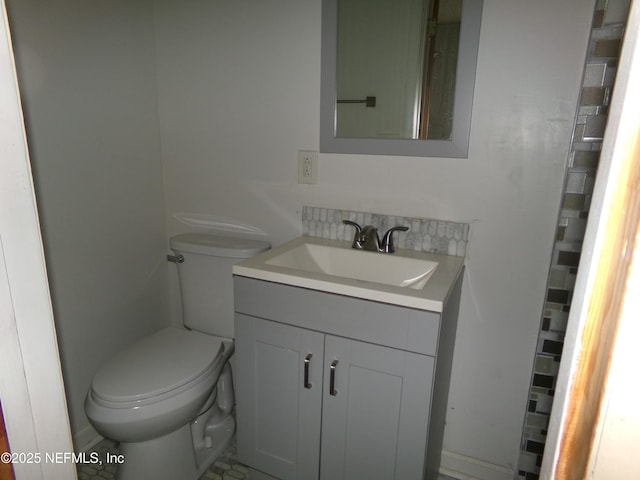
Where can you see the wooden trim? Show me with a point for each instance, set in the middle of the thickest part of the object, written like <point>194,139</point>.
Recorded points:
<point>604,310</point>
<point>6,469</point>
<point>427,70</point>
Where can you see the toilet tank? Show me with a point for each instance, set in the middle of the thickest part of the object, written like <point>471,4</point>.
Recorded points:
<point>206,282</point>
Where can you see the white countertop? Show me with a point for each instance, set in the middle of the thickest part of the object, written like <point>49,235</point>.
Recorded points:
<point>432,297</point>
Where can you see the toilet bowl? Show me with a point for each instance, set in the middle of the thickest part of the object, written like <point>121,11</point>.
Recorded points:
<point>168,398</point>
<point>149,389</point>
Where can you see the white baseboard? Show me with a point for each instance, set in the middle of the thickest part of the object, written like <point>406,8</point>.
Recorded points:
<point>86,439</point>
<point>463,467</point>
<point>454,466</point>
<point>442,476</point>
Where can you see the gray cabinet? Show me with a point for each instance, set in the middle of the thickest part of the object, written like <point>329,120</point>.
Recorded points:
<point>278,428</point>
<point>375,415</point>
<point>324,390</point>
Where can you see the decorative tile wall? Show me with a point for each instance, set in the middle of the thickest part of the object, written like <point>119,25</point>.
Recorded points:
<point>591,119</point>
<point>426,235</point>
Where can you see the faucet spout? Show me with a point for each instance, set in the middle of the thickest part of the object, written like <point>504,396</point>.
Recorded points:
<point>366,238</point>
<point>369,238</point>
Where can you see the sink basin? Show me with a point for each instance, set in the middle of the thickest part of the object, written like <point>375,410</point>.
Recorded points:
<point>387,269</point>
<point>411,279</point>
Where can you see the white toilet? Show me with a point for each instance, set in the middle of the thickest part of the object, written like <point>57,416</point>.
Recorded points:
<point>168,398</point>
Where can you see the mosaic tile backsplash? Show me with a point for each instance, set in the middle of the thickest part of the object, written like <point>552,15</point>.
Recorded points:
<point>591,119</point>
<point>424,235</point>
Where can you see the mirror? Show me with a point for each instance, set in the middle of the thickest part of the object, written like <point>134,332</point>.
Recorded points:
<point>398,76</point>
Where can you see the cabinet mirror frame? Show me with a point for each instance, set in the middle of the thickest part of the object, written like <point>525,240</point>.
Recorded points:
<point>456,147</point>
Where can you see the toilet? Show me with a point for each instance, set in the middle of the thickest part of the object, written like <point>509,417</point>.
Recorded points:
<point>168,398</point>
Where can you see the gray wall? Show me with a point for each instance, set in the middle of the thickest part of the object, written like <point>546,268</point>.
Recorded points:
<point>87,76</point>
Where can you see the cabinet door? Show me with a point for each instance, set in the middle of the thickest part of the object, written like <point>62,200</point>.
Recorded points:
<point>375,415</point>
<point>278,405</point>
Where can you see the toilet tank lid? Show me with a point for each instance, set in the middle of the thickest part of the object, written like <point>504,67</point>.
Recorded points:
<point>218,245</point>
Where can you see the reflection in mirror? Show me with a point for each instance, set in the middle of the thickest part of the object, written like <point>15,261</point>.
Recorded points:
<point>398,76</point>
<point>402,53</point>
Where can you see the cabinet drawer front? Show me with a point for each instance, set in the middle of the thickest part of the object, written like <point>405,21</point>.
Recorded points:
<point>278,406</point>
<point>376,413</point>
<point>390,325</point>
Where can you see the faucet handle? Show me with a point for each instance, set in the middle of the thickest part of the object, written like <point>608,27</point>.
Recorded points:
<point>387,240</point>
<point>356,236</point>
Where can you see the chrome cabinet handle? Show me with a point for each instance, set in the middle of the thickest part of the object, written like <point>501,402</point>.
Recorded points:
<point>332,379</point>
<point>307,362</point>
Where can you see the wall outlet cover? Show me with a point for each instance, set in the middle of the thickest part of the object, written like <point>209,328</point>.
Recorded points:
<point>307,166</point>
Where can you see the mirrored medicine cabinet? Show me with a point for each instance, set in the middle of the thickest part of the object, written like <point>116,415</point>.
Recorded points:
<point>398,76</point>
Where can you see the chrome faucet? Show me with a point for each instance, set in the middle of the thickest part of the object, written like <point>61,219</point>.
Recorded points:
<point>366,238</point>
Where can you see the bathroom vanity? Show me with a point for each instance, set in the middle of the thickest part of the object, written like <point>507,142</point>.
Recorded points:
<point>337,377</point>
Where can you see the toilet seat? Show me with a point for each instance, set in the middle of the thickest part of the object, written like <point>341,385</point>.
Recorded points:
<point>158,367</point>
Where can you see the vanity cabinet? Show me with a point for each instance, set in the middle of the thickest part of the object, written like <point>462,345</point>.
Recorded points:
<point>332,387</point>
<point>367,401</point>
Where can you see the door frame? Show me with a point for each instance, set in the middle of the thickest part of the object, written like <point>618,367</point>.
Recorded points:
<point>31,386</point>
